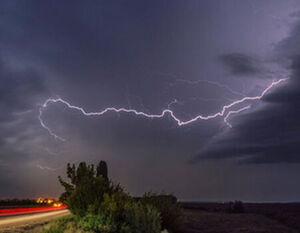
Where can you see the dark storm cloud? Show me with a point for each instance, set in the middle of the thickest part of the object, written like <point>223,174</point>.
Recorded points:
<point>105,47</point>
<point>18,91</point>
<point>295,14</point>
<point>240,64</point>
<point>97,54</point>
<point>269,135</point>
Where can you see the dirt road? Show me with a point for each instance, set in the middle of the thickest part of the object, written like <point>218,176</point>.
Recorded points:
<point>22,223</point>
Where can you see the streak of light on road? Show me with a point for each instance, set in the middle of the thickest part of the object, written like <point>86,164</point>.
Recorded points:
<point>27,219</point>
<point>28,210</point>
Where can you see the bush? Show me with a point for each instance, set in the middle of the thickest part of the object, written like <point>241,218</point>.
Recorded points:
<point>87,193</point>
<point>170,211</point>
<point>86,190</point>
<point>61,225</point>
<point>139,218</point>
<point>119,213</point>
<point>101,207</point>
<point>97,223</point>
<point>128,215</point>
<point>236,207</point>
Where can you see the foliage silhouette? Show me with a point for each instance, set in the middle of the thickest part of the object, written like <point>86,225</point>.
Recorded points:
<point>99,206</point>
<point>86,189</point>
<point>170,211</point>
<point>102,169</point>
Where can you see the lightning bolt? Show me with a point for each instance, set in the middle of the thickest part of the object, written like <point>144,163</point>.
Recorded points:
<point>45,126</point>
<point>52,168</point>
<point>234,112</point>
<point>46,168</point>
<point>175,101</point>
<point>165,112</point>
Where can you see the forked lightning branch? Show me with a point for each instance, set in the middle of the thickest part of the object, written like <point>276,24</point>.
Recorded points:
<point>225,113</point>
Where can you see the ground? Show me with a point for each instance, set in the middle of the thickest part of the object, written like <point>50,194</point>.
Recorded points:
<point>258,218</point>
<point>215,218</point>
<point>31,228</point>
<point>199,221</point>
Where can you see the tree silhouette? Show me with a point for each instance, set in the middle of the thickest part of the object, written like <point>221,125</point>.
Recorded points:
<point>86,188</point>
<point>102,169</point>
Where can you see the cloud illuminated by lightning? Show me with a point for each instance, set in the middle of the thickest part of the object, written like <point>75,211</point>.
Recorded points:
<point>191,82</point>
<point>234,112</point>
<point>220,85</point>
<point>44,125</point>
<point>46,167</point>
<point>168,111</point>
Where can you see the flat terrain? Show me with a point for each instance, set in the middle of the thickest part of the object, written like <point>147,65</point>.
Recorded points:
<point>30,223</point>
<point>257,218</point>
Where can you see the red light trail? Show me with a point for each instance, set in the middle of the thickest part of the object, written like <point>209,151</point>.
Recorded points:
<point>29,210</point>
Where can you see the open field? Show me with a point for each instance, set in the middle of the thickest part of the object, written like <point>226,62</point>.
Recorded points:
<point>258,218</point>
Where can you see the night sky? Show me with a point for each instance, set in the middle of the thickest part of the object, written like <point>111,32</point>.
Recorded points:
<point>191,57</point>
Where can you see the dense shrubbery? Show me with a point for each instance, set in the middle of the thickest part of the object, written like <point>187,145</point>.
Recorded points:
<point>99,206</point>
<point>118,212</point>
<point>122,217</point>
<point>62,225</point>
<point>169,208</point>
<point>86,190</point>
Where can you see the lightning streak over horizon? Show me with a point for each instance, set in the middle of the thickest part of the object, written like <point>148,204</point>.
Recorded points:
<point>162,114</point>
<point>220,85</point>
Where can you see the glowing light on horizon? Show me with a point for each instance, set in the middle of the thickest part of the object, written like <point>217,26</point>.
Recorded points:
<point>164,112</point>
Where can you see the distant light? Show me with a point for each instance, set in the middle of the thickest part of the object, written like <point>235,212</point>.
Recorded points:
<point>57,204</point>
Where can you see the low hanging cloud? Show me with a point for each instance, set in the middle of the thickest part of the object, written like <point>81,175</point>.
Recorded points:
<point>271,134</point>
<point>240,64</point>
<point>19,92</point>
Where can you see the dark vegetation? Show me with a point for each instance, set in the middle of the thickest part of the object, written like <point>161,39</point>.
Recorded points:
<point>11,203</point>
<point>236,207</point>
<point>100,206</point>
<point>169,209</point>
